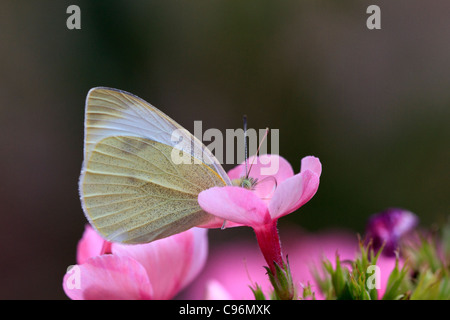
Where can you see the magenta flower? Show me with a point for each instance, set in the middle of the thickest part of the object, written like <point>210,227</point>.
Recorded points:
<point>262,205</point>
<point>235,266</point>
<point>157,270</point>
<point>388,227</point>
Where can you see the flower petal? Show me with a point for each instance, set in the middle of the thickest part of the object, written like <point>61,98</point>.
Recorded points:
<point>269,170</point>
<point>264,166</point>
<point>293,193</point>
<point>216,222</point>
<point>90,245</point>
<point>313,164</point>
<point>216,291</point>
<point>389,227</point>
<point>235,204</point>
<point>171,263</point>
<point>236,265</point>
<point>108,277</point>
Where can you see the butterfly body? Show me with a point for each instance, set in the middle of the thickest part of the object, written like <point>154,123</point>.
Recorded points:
<point>245,182</point>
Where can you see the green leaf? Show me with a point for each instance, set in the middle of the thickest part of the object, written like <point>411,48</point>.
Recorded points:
<point>282,282</point>
<point>257,292</point>
<point>432,286</point>
<point>397,282</point>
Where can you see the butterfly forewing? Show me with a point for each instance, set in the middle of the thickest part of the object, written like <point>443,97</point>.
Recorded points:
<point>112,112</point>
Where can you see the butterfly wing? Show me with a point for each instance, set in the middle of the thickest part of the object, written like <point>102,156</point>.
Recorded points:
<point>111,112</point>
<point>131,189</point>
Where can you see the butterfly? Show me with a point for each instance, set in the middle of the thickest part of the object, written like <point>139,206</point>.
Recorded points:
<point>131,189</point>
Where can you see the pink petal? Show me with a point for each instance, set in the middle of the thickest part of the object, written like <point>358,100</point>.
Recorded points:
<point>269,170</point>
<point>216,222</point>
<point>108,277</point>
<point>171,263</point>
<point>264,166</point>
<point>293,193</point>
<point>233,265</point>
<point>216,291</point>
<point>235,204</point>
<point>199,254</point>
<point>313,164</point>
<point>90,245</point>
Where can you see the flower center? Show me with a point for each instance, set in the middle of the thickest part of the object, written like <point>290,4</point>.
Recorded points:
<point>245,182</point>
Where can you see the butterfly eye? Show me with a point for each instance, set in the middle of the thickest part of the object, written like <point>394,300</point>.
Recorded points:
<point>249,183</point>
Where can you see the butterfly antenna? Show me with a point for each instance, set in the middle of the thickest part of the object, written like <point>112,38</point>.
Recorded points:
<point>257,152</point>
<point>245,144</point>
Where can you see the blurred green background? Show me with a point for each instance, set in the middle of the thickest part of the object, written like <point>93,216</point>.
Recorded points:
<point>374,106</point>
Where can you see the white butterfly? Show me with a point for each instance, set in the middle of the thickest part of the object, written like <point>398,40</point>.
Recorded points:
<point>131,190</point>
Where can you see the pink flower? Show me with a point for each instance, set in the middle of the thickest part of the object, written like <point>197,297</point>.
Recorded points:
<point>258,207</point>
<point>157,270</point>
<point>235,266</point>
<point>261,207</point>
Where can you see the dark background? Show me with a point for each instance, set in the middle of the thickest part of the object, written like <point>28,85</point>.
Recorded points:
<point>372,105</point>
